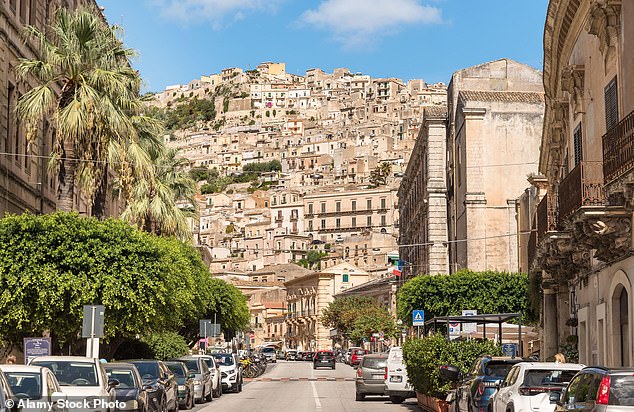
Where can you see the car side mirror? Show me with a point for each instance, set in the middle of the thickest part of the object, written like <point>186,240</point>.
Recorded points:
<point>113,383</point>
<point>555,397</point>
<point>191,375</point>
<point>449,373</point>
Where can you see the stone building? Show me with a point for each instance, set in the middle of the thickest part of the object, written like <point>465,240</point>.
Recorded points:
<point>495,115</point>
<point>306,298</point>
<point>583,244</point>
<point>423,199</point>
<point>25,182</point>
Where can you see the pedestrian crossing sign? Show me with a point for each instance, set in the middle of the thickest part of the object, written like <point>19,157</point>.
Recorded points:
<point>418,318</point>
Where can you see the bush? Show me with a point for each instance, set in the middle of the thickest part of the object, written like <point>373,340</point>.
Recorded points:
<point>167,345</point>
<point>424,356</point>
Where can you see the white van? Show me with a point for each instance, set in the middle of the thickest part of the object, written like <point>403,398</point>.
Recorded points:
<point>396,385</point>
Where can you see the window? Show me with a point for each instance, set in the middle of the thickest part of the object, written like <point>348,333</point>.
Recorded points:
<point>338,223</point>
<point>323,223</point>
<point>611,105</point>
<point>369,204</point>
<point>338,206</point>
<point>353,205</point>
<point>383,203</point>
<point>383,220</point>
<point>310,225</point>
<point>578,144</point>
<point>354,222</point>
<point>23,10</point>
<point>323,207</point>
<point>10,91</point>
<point>310,208</point>
<point>345,278</point>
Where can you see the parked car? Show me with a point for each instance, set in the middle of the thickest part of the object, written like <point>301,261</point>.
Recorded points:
<point>81,378</point>
<point>6,394</point>
<point>269,353</point>
<point>130,390</point>
<point>291,354</point>
<point>597,389</point>
<point>34,383</point>
<point>324,358</point>
<point>356,356</point>
<point>216,377</point>
<point>185,380</point>
<point>396,385</point>
<point>528,386</point>
<point>371,376</point>
<point>203,383</point>
<point>159,383</point>
<point>348,354</point>
<point>230,370</point>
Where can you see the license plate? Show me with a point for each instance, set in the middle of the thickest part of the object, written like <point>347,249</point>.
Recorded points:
<point>378,376</point>
<point>396,379</point>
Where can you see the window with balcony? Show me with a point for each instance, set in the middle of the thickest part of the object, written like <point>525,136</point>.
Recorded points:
<point>383,220</point>
<point>310,208</point>
<point>338,206</point>
<point>323,207</point>
<point>323,223</point>
<point>578,144</point>
<point>310,225</point>
<point>338,223</point>
<point>611,105</point>
<point>369,204</point>
<point>354,222</point>
<point>383,203</point>
<point>353,205</point>
<point>369,221</point>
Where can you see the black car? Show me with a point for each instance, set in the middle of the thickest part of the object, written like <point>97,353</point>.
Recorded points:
<point>160,384</point>
<point>475,389</point>
<point>130,389</point>
<point>324,359</point>
<point>185,380</point>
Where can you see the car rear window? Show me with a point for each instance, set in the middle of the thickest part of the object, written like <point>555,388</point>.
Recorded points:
<point>396,355</point>
<point>497,369</point>
<point>25,385</point>
<point>192,365</point>
<point>325,355</point>
<point>374,363</point>
<point>359,352</point>
<point>622,390</point>
<point>147,370</point>
<point>546,377</point>
<point>72,373</point>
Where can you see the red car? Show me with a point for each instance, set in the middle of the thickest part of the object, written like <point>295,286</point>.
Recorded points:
<point>356,356</point>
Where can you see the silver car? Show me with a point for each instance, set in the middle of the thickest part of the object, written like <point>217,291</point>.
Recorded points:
<point>371,375</point>
<point>35,383</point>
<point>216,379</point>
<point>597,389</point>
<point>203,385</point>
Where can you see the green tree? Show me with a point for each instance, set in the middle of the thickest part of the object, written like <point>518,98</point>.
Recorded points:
<point>449,294</point>
<point>356,317</point>
<point>166,345</point>
<point>82,57</point>
<point>312,259</point>
<point>379,175</point>
<point>371,320</point>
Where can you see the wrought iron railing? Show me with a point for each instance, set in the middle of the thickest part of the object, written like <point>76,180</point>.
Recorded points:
<point>547,215</point>
<point>618,149</point>
<point>582,187</point>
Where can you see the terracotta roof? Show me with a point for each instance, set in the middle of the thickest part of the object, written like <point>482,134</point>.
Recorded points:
<point>506,97</point>
<point>273,305</point>
<point>436,112</point>
<point>251,283</point>
<point>286,269</point>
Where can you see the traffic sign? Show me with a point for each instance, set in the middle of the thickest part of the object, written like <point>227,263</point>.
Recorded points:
<point>418,318</point>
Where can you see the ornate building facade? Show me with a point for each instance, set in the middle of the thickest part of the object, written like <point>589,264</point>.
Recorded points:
<point>583,239</point>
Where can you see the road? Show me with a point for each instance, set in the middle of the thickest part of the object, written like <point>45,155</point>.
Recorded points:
<point>295,386</point>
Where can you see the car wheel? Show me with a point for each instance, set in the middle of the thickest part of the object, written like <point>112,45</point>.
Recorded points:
<point>396,399</point>
<point>359,397</point>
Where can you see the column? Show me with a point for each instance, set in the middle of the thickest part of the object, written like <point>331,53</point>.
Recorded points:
<point>550,344</point>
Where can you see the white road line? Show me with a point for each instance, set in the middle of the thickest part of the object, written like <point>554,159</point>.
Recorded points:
<point>315,395</point>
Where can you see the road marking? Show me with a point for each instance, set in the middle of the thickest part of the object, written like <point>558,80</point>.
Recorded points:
<point>315,395</point>
<point>303,379</point>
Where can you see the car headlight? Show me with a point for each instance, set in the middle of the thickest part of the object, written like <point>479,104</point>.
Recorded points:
<point>197,382</point>
<point>132,404</point>
<point>182,387</point>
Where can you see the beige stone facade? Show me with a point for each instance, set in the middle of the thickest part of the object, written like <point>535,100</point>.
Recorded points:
<point>308,296</point>
<point>583,242</point>
<point>494,128</point>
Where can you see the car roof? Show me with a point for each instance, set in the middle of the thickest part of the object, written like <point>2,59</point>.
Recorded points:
<point>113,365</point>
<point>611,371</point>
<point>22,368</point>
<point>82,359</point>
<point>142,361</point>
<point>376,356</point>
<point>551,365</point>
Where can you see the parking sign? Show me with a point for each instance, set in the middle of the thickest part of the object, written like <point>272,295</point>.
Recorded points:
<point>418,318</point>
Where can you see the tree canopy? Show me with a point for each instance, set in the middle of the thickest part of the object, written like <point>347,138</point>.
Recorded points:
<point>357,317</point>
<point>445,295</point>
<point>52,265</point>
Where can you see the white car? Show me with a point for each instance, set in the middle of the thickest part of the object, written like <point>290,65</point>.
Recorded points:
<point>230,371</point>
<point>81,378</point>
<point>397,386</point>
<point>216,378</point>
<point>35,383</point>
<point>528,385</point>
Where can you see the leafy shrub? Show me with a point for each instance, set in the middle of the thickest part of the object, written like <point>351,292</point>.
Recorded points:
<point>166,345</point>
<point>424,356</point>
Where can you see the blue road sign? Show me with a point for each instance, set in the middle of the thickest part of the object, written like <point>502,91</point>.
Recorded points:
<point>418,318</point>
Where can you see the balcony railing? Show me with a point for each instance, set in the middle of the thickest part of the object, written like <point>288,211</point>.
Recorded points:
<point>547,215</point>
<point>581,188</point>
<point>618,149</point>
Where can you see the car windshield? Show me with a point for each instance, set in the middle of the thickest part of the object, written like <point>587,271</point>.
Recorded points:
<point>147,370</point>
<point>622,390</point>
<point>124,376</point>
<point>192,365</point>
<point>25,385</point>
<point>374,363</point>
<point>325,355</point>
<point>543,377</point>
<point>72,373</point>
<point>177,368</point>
<point>268,350</point>
<point>209,362</point>
<point>497,369</point>
<point>223,359</point>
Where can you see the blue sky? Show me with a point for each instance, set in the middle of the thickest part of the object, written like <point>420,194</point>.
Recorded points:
<point>180,40</point>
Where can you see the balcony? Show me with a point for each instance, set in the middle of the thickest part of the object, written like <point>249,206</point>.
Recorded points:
<point>583,187</point>
<point>618,149</point>
<point>547,215</point>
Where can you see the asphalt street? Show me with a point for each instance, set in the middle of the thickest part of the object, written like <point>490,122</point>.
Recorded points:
<point>295,386</point>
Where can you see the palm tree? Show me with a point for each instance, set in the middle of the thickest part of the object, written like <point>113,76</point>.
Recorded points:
<point>153,202</point>
<point>87,91</point>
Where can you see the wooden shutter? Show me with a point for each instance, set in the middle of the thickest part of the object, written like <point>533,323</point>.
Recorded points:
<point>578,144</point>
<point>611,105</point>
